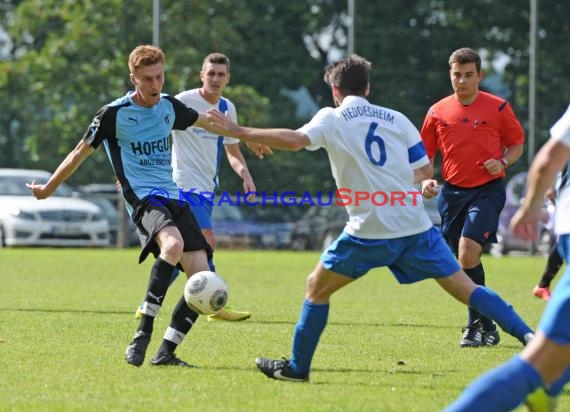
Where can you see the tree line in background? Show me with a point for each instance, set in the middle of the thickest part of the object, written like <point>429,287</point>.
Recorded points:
<point>61,60</point>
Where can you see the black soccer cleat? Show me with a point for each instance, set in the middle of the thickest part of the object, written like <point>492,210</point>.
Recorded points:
<point>279,369</point>
<point>168,359</point>
<point>137,348</point>
<point>490,338</point>
<point>472,335</point>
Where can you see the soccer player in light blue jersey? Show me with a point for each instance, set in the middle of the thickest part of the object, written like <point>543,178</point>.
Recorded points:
<point>134,130</point>
<point>540,372</point>
<point>197,154</point>
<point>369,147</point>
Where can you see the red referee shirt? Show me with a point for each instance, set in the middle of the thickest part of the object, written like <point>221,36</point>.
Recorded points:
<point>467,136</point>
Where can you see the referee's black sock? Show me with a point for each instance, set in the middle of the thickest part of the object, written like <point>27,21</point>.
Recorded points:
<point>477,275</point>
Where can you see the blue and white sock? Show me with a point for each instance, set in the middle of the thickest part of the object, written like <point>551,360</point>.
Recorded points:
<point>308,330</point>
<point>488,303</point>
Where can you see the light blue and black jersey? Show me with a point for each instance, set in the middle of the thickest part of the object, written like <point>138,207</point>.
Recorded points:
<point>136,140</point>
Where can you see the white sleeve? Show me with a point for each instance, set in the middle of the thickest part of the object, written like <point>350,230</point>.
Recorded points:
<point>561,129</point>
<point>316,129</point>
<point>416,150</point>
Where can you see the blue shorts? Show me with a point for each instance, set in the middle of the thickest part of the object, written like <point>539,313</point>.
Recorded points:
<point>411,258</point>
<point>471,212</point>
<point>201,209</point>
<point>555,320</point>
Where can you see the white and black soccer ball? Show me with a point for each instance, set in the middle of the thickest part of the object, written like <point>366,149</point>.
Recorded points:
<point>206,292</point>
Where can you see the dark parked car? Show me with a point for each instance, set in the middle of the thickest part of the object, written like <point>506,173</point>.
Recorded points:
<point>234,230</point>
<point>277,220</point>
<point>507,242</point>
<point>321,225</point>
<point>109,200</point>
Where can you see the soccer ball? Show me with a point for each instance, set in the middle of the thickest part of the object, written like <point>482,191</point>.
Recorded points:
<point>206,292</point>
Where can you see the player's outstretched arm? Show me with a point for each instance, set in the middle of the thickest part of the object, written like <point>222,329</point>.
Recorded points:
<point>283,139</point>
<point>66,168</point>
<point>550,159</point>
<point>259,150</point>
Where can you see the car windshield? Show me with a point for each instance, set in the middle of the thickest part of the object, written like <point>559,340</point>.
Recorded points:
<point>16,186</point>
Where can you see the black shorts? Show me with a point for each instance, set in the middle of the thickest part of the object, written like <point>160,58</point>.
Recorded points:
<point>471,212</point>
<point>151,217</point>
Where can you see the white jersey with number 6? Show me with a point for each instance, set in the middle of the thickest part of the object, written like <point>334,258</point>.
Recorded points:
<point>373,151</point>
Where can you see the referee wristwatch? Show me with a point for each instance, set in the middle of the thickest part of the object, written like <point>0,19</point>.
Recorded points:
<point>505,162</point>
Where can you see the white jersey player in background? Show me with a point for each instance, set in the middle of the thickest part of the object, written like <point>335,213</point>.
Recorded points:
<point>377,155</point>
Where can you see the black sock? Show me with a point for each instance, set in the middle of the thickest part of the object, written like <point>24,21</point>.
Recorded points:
<point>183,318</point>
<point>553,265</point>
<point>167,346</point>
<point>156,291</point>
<point>477,275</point>
<point>146,324</point>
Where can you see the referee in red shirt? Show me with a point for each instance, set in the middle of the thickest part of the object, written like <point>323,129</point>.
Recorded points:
<point>478,136</point>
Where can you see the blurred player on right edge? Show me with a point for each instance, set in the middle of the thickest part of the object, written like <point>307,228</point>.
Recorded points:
<point>538,375</point>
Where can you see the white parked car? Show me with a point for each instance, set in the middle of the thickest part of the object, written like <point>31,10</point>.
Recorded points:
<point>60,220</point>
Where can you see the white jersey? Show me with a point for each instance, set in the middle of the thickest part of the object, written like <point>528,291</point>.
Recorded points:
<point>561,132</point>
<point>373,151</point>
<point>196,152</point>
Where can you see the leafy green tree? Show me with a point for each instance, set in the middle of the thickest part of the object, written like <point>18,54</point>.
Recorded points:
<point>270,45</point>
<point>62,59</point>
<point>410,47</point>
<point>11,85</point>
<point>70,58</point>
<point>67,72</point>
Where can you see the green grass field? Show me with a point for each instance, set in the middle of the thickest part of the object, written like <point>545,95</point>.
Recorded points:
<point>66,316</point>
